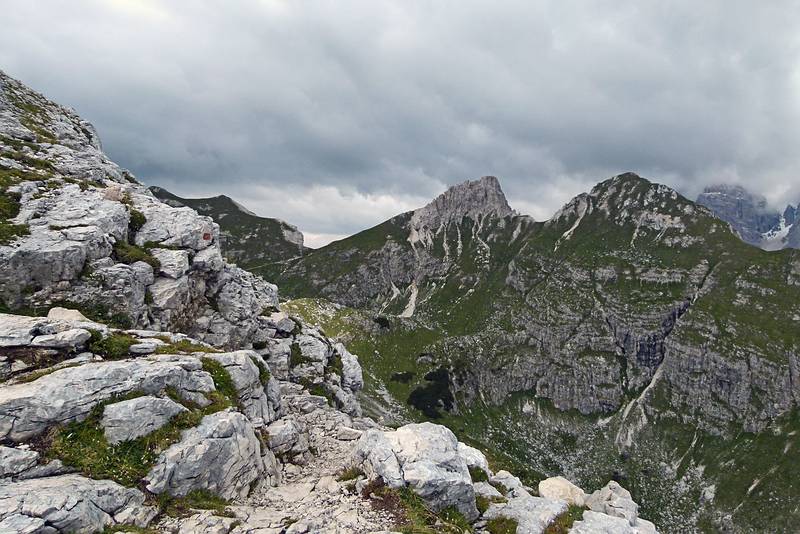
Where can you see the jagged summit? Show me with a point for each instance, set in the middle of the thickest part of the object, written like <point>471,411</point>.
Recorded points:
<point>751,217</point>
<point>475,199</point>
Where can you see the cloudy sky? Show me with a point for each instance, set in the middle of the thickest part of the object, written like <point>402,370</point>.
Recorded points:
<point>335,115</point>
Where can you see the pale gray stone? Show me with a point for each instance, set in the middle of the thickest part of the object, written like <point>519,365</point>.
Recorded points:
<point>69,394</point>
<point>68,503</point>
<point>134,418</point>
<point>533,514</point>
<point>221,455</point>
<point>423,457</point>
<point>474,458</point>
<point>15,461</point>
<point>174,263</point>
<point>255,401</point>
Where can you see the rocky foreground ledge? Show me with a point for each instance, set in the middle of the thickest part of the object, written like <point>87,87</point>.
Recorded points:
<point>108,430</point>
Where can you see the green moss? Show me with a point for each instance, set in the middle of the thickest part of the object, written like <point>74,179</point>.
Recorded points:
<point>263,372</point>
<point>9,208</point>
<point>194,500</point>
<point>296,356</point>
<point>136,222</point>
<point>222,381</point>
<point>127,253</point>
<point>113,346</point>
<point>184,345</point>
<point>562,524</point>
<point>478,475</point>
<point>502,525</point>
<point>350,473</point>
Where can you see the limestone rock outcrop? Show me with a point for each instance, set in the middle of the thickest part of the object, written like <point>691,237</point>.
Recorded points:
<point>425,458</point>
<point>221,455</point>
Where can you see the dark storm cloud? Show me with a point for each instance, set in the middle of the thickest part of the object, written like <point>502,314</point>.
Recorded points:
<point>336,115</point>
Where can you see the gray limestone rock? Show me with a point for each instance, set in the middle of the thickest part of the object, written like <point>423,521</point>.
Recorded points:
<point>15,461</point>
<point>66,395</point>
<point>221,455</point>
<point>70,503</point>
<point>259,402</point>
<point>533,514</point>
<point>423,457</point>
<point>134,418</point>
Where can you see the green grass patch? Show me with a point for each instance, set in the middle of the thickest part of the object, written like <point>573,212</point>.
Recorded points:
<point>502,525</point>
<point>351,473</point>
<point>136,221</point>
<point>222,381</point>
<point>478,475</point>
<point>83,445</point>
<point>296,356</point>
<point>194,500</point>
<point>263,371</point>
<point>184,345</point>
<point>127,253</point>
<point>112,347</point>
<point>563,523</point>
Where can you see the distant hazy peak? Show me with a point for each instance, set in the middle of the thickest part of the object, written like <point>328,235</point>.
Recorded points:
<point>475,199</point>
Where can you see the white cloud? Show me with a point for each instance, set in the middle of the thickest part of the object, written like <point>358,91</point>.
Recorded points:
<point>336,115</point>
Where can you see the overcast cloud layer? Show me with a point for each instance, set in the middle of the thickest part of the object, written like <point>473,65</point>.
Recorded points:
<point>336,115</point>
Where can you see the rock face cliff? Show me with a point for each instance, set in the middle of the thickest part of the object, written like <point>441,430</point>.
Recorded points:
<point>749,215</point>
<point>246,239</point>
<point>77,230</point>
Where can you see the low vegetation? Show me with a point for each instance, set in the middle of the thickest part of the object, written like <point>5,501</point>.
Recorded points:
<point>111,347</point>
<point>502,525</point>
<point>410,513</point>
<point>127,253</point>
<point>563,523</point>
<point>83,444</point>
<point>184,345</point>
<point>194,500</point>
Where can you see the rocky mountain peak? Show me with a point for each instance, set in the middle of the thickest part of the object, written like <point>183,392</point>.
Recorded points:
<point>750,216</point>
<point>474,199</point>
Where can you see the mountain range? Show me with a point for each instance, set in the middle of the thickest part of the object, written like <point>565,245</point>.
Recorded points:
<point>632,337</point>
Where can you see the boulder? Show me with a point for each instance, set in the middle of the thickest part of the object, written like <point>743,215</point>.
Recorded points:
<point>533,514</point>
<point>208,260</point>
<point>486,490</point>
<point>169,293</point>
<point>513,485</point>
<point>598,523</point>
<point>423,457</point>
<point>556,488</point>
<point>352,376</point>
<point>69,503</point>
<point>68,339</point>
<point>221,455</point>
<point>175,227</point>
<point>614,500</point>
<point>65,314</point>
<point>287,437</point>
<point>134,418</point>
<point>66,395</point>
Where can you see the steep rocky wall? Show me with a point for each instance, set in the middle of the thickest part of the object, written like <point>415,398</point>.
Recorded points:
<point>88,235</point>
